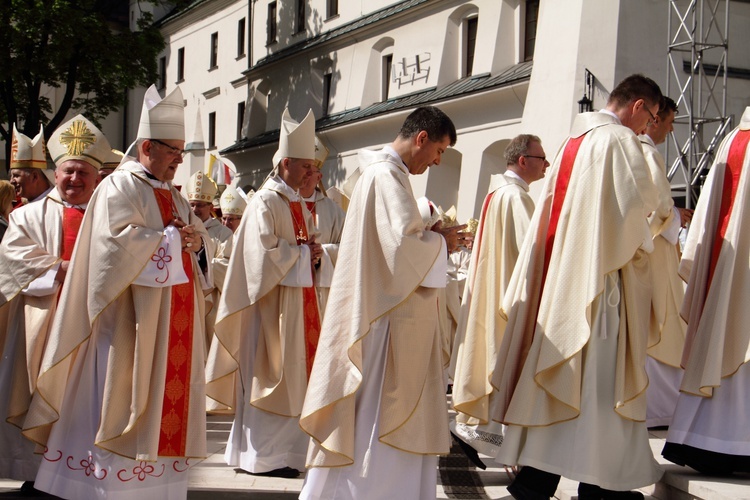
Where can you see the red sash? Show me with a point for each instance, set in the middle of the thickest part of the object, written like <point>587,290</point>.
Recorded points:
<point>561,189</point>
<point>309,298</point>
<point>72,217</point>
<point>732,173</point>
<point>175,409</point>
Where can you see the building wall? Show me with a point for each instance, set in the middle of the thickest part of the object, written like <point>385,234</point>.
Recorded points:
<point>610,38</point>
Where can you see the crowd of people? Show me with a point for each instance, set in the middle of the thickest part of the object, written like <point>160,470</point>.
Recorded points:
<point>331,322</point>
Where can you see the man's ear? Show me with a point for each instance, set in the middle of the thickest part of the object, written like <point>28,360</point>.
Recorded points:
<point>421,138</point>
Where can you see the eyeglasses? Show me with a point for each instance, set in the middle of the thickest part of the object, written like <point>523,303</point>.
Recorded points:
<point>175,151</point>
<point>543,158</point>
<point>652,121</point>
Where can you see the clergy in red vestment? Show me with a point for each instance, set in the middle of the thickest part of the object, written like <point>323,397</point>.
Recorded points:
<point>709,427</point>
<point>268,321</point>
<point>34,259</point>
<point>570,375</point>
<point>120,400</point>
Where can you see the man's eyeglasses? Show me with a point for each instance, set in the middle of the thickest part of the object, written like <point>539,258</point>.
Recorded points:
<point>543,158</point>
<point>652,121</point>
<point>175,151</point>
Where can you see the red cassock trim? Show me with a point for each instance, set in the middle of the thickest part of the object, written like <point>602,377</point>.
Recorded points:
<point>309,298</point>
<point>72,217</point>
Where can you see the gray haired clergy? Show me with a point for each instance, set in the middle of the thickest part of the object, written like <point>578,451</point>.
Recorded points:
<point>268,318</point>
<point>29,173</point>
<point>328,218</point>
<point>214,258</point>
<point>122,379</point>
<point>34,259</point>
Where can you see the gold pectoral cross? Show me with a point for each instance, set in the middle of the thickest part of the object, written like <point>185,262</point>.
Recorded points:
<point>301,237</point>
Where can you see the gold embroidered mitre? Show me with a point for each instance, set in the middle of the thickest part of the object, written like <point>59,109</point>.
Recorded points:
<point>28,153</point>
<point>200,187</point>
<point>79,139</point>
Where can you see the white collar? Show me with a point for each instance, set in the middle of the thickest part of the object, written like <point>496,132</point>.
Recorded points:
<point>513,175</point>
<point>608,112</point>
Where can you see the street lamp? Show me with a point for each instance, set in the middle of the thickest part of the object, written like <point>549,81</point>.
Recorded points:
<point>587,103</point>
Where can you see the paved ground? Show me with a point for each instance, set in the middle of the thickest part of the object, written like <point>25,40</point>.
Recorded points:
<point>212,479</point>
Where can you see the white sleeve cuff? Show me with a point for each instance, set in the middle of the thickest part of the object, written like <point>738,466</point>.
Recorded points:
<point>164,268</point>
<point>324,272</point>
<point>672,232</point>
<point>437,276</point>
<point>300,275</point>
<point>44,284</point>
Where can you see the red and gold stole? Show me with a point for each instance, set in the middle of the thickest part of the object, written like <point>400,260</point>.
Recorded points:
<point>732,173</point>
<point>72,217</point>
<point>175,409</point>
<point>309,298</point>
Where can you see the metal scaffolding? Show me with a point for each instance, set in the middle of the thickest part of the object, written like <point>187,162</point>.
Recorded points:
<point>698,30</point>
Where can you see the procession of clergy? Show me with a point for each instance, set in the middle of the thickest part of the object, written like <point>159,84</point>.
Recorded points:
<point>566,329</point>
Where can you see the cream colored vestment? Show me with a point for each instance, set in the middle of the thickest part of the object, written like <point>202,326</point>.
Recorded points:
<point>384,256</point>
<point>597,272</point>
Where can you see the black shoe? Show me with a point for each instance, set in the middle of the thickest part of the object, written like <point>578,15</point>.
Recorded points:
<point>28,490</point>
<point>522,492</point>
<point>592,492</point>
<point>285,472</point>
<point>470,452</point>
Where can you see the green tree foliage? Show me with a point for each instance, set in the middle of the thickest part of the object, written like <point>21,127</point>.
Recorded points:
<point>83,48</point>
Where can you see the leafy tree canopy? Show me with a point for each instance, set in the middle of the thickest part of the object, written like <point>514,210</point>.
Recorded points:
<point>82,47</point>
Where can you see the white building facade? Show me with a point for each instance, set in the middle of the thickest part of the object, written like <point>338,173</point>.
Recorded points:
<point>498,68</point>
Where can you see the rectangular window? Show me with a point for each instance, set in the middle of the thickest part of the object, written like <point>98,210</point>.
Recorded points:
<point>162,72</point>
<point>327,81</point>
<point>385,85</point>
<point>271,24</point>
<point>240,119</point>
<point>300,24</point>
<point>241,37</point>
<point>212,130</point>
<point>470,43</point>
<point>181,65</point>
<point>532,16</point>
<point>332,8</point>
<point>214,62</point>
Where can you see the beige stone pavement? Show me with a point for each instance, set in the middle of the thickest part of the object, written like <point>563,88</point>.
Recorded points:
<point>212,479</point>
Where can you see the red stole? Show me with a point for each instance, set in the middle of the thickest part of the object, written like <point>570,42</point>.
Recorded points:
<point>309,297</point>
<point>732,173</point>
<point>175,408</point>
<point>72,217</point>
<point>561,189</point>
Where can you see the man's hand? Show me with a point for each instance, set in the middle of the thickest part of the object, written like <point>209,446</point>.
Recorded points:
<point>454,236</point>
<point>62,271</point>
<point>189,239</point>
<point>686,215</point>
<point>316,250</point>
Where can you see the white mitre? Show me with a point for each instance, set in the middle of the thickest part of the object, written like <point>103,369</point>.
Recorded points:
<point>232,202</point>
<point>162,118</point>
<point>428,211</point>
<point>296,140</point>
<point>30,153</point>
<point>79,139</point>
<point>201,187</point>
